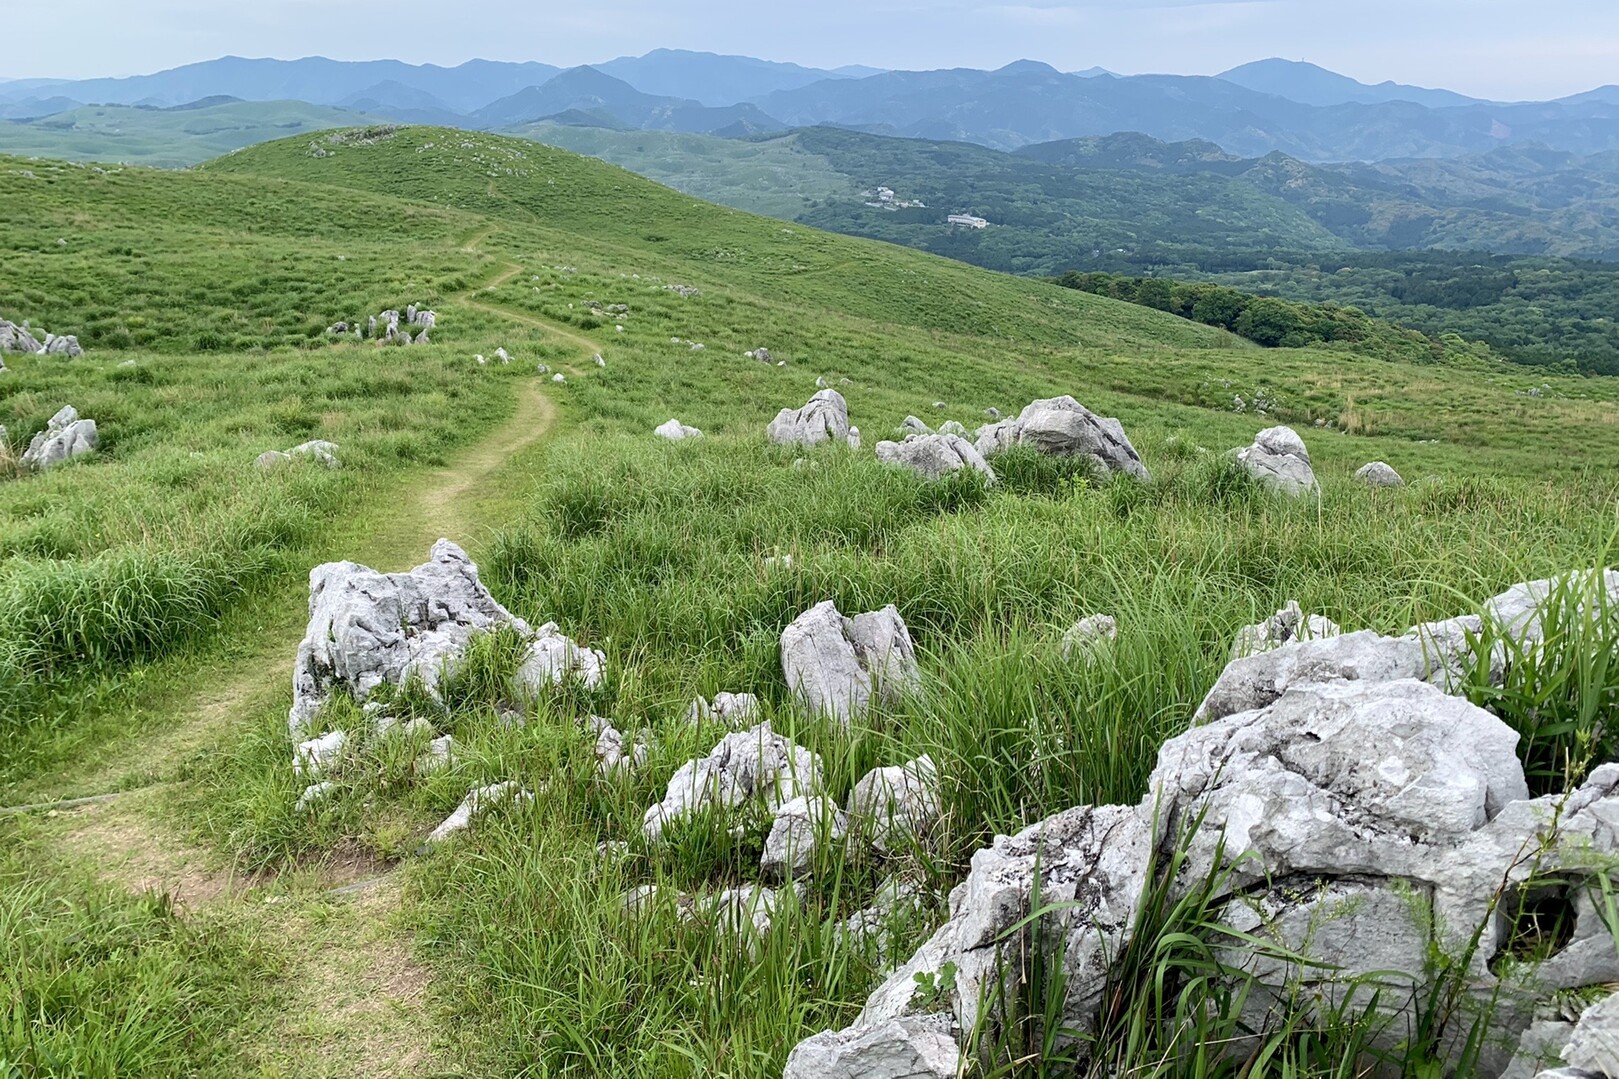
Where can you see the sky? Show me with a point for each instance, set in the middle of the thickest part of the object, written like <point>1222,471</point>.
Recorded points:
<point>1500,49</point>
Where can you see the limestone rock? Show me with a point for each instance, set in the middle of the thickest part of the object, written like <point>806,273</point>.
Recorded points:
<point>271,459</point>
<point>854,438</point>
<point>65,437</point>
<point>676,431</point>
<point>900,805</point>
<point>801,828</point>
<point>313,795</point>
<point>915,426</point>
<point>735,710</point>
<point>934,456</point>
<point>837,665</point>
<point>913,1047</point>
<point>477,802</point>
<point>614,754</point>
<point>315,756</point>
<point>1594,1046</point>
<point>1279,461</point>
<point>1379,474</point>
<point>1089,635</point>
<point>1287,626</point>
<point>319,449</point>
<point>62,346</point>
<point>1062,427</point>
<point>824,418</point>
<point>756,764</point>
<point>368,629</point>
<point>439,755</point>
<point>554,659</point>
<point>14,338</point>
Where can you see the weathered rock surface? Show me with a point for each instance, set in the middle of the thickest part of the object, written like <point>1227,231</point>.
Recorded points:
<point>1062,427</point>
<point>824,418</point>
<point>1594,1046</point>
<point>616,755</point>
<point>368,629</point>
<point>675,431</point>
<point>313,757</point>
<point>477,802</point>
<point>553,660</point>
<point>1089,636</point>
<point>801,828</point>
<point>1279,461</point>
<point>912,1047</point>
<point>914,426</point>
<point>15,338</point>
<point>1287,626</point>
<point>898,805</point>
<point>67,345</point>
<point>934,456</point>
<point>65,437</point>
<point>746,765</point>
<point>837,665</point>
<point>1379,474</point>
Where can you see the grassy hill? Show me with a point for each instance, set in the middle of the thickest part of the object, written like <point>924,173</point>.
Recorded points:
<point>165,138</point>
<point>156,590</point>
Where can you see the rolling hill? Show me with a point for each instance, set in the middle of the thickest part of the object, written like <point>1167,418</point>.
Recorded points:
<point>191,903</point>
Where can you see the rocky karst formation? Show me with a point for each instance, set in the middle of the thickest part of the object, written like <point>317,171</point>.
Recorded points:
<point>1279,461</point>
<point>22,340</point>
<point>1062,427</point>
<point>824,418</point>
<point>934,456</point>
<point>368,629</point>
<point>838,666</point>
<point>65,437</point>
<point>1350,812</point>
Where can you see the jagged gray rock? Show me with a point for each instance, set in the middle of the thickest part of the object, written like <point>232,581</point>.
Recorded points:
<point>912,1047</point>
<point>1594,1045</point>
<point>15,338</point>
<point>478,802</point>
<point>953,427</point>
<point>743,766</point>
<point>824,418</point>
<point>675,431</point>
<point>898,806</point>
<point>915,426</point>
<point>801,827</point>
<point>1062,427</point>
<point>553,659</point>
<point>1289,625</point>
<point>837,665</point>
<point>934,456</point>
<point>368,629</point>
<point>65,437</point>
<point>735,710</point>
<point>67,345</point>
<point>1279,461</point>
<point>1379,474</point>
<point>321,450</point>
<point>614,754</point>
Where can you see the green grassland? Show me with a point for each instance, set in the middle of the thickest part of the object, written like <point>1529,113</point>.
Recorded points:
<point>164,138</point>
<point>157,588</point>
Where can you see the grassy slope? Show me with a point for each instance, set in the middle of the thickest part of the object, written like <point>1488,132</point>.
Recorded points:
<point>655,552</point>
<point>165,138</point>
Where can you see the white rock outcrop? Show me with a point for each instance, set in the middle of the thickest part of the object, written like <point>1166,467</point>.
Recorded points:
<point>838,666</point>
<point>1086,638</point>
<point>675,431</point>
<point>934,456</point>
<point>1280,462</point>
<point>1379,474</point>
<point>825,418</point>
<point>1062,427</point>
<point>735,710</point>
<point>65,437</point>
<point>478,802</point>
<point>755,764</point>
<point>801,828</point>
<point>898,806</point>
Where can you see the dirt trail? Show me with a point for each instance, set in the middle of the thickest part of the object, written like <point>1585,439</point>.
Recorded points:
<point>356,1001</point>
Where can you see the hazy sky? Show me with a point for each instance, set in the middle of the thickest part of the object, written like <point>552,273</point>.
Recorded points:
<point>1489,48</point>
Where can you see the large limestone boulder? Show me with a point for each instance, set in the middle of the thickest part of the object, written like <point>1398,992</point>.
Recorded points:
<point>1062,427</point>
<point>756,764</point>
<point>553,659</point>
<point>837,666</point>
<point>369,629</point>
<point>65,437</point>
<point>899,805</point>
<point>912,1047</point>
<point>14,338</point>
<point>825,418</point>
<point>1279,461</point>
<point>934,456</point>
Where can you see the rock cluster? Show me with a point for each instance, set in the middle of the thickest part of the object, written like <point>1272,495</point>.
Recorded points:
<point>1062,427</point>
<point>825,418</point>
<point>389,327</point>
<point>755,764</point>
<point>837,666</point>
<point>368,629</point>
<point>317,449</point>
<point>934,456</point>
<point>1279,461</point>
<point>20,339</point>
<point>65,437</point>
<point>1354,819</point>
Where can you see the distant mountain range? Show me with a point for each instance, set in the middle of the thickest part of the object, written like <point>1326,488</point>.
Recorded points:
<point>1273,105</point>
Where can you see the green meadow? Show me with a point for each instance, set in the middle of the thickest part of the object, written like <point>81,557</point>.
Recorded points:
<point>152,594</point>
